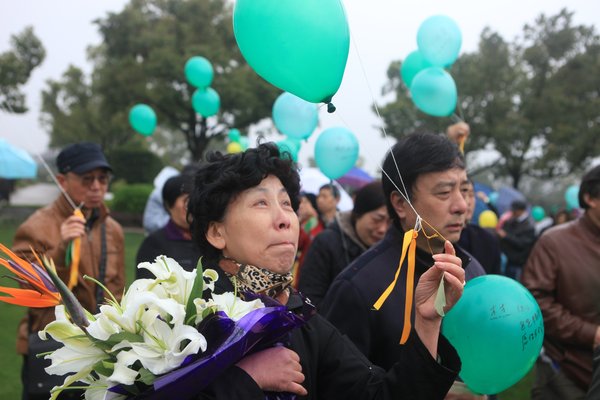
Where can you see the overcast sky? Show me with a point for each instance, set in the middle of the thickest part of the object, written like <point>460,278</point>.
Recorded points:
<point>382,31</point>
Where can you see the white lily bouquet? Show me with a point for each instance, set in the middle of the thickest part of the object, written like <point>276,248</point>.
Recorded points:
<point>163,335</point>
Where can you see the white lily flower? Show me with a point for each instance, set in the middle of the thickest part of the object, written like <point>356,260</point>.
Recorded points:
<point>122,373</point>
<point>104,327</point>
<point>98,390</point>
<point>70,359</point>
<point>233,306</point>
<point>64,331</point>
<point>160,352</point>
<point>175,280</point>
<point>128,316</point>
<point>80,375</point>
<point>201,306</point>
<point>212,276</point>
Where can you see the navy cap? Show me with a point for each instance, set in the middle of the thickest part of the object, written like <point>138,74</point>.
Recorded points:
<point>80,158</point>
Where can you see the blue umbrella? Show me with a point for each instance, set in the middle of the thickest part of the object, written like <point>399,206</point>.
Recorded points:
<point>355,178</point>
<point>15,163</point>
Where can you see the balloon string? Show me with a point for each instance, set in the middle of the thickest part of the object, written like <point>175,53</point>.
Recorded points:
<point>403,192</point>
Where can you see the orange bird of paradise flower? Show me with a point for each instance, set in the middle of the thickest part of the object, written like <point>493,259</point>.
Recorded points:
<point>42,286</point>
<point>39,291</point>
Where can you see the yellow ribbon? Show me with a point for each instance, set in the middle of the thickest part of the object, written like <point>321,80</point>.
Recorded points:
<point>409,245</point>
<point>75,255</point>
<point>461,143</point>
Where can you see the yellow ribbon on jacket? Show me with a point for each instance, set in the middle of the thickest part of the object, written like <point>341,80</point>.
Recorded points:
<point>409,245</point>
<point>75,255</point>
<point>461,144</point>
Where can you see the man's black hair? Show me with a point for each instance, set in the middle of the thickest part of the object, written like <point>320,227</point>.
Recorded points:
<point>417,154</point>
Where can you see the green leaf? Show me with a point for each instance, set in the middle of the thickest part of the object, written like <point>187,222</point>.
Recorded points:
<point>146,376</point>
<point>197,289</point>
<point>440,299</point>
<point>104,367</point>
<point>119,337</point>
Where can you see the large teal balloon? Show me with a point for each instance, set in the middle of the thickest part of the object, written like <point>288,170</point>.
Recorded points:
<point>336,151</point>
<point>142,119</point>
<point>294,117</point>
<point>206,102</point>
<point>439,40</point>
<point>572,197</point>
<point>412,65</point>
<point>298,46</point>
<point>497,330</point>
<point>199,72</point>
<point>434,92</point>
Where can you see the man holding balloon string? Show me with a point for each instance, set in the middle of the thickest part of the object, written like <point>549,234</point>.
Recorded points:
<point>430,171</point>
<point>563,274</point>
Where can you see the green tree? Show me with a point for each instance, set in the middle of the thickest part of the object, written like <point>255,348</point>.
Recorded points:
<point>535,101</point>
<point>141,60</point>
<point>16,65</point>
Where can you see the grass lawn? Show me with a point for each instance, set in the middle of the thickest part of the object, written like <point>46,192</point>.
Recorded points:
<point>10,380</point>
<point>10,315</point>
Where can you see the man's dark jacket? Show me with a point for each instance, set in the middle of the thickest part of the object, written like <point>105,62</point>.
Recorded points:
<point>349,301</point>
<point>483,245</point>
<point>519,239</point>
<point>330,252</point>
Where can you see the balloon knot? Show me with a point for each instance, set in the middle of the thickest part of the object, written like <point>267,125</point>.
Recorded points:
<point>330,108</point>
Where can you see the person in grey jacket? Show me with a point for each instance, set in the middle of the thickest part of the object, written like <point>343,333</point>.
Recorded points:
<point>350,234</point>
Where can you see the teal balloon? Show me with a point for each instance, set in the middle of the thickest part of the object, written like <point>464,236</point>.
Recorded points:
<point>244,142</point>
<point>234,135</point>
<point>439,40</point>
<point>336,152</point>
<point>289,147</point>
<point>538,213</point>
<point>206,102</point>
<point>294,117</point>
<point>493,198</point>
<point>497,329</point>
<point>434,92</point>
<point>142,119</point>
<point>199,72</point>
<point>412,65</point>
<point>299,46</point>
<point>572,197</point>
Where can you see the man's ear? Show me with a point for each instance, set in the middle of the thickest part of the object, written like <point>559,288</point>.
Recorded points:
<point>214,235</point>
<point>62,180</point>
<point>400,205</point>
<point>592,202</point>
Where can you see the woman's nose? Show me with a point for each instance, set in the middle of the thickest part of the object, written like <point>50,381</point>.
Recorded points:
<point>283,219</point>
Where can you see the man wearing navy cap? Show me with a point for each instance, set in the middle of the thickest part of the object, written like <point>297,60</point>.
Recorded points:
<point>84,175</point>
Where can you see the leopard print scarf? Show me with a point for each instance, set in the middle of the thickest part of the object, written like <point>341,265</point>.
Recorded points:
<point>248,278</point>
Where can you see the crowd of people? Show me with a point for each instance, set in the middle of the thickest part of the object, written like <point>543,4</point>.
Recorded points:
<point>245,211</point>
